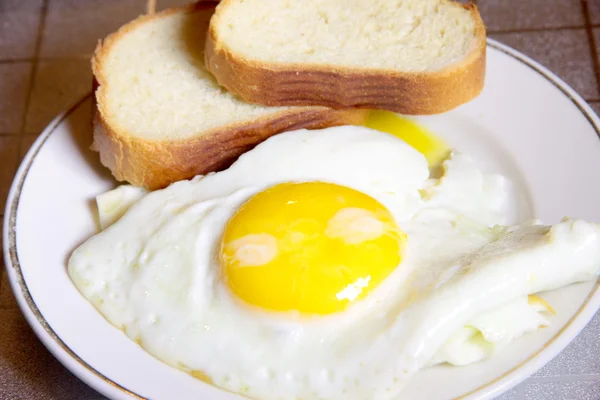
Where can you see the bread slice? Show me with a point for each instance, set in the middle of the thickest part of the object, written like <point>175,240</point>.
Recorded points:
<point>161,116</point>
<point>408,56</point>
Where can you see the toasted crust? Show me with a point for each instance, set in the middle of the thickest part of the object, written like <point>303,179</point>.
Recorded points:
<point>334,86</point>
<point>155,164</point>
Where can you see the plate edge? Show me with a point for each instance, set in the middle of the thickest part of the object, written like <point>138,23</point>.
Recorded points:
<point>27,304</point>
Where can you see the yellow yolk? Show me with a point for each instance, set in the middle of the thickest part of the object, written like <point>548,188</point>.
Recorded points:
<point>432,147</point>
<point>312,247</point>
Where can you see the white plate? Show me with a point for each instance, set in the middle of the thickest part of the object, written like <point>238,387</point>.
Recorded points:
<point>527,124</point>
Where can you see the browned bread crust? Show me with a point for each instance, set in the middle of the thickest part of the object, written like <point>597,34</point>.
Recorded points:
<point>154,164</point>
<point>276,84</point>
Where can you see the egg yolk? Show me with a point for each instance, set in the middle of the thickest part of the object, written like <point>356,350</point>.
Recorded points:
<point>312,247</point>
<point>433,148</point>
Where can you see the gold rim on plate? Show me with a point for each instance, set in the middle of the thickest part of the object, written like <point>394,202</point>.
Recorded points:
<point>17,186</point>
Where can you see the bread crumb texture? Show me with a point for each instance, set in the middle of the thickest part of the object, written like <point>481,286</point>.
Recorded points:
<point>407,35</point>
<point>157,86</point>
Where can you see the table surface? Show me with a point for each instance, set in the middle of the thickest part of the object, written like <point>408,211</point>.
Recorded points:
<point>45,48</point>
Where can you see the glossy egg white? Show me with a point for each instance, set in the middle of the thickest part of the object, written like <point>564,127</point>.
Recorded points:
<point>154,272</point>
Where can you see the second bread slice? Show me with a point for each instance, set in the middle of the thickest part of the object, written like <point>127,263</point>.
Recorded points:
<point>161,115</point>
<point>408,56</point>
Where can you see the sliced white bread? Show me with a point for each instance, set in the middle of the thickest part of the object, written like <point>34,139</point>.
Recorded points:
<point>408,56</point>
<point>162,117</point>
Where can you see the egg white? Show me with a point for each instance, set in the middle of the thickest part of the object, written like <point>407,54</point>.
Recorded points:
<point>154,272</point>
<point>492,331</point>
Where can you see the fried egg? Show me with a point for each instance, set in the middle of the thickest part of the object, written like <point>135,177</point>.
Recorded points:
<point>493,330</point>
<point>328,264</point>
<point>114,203</point>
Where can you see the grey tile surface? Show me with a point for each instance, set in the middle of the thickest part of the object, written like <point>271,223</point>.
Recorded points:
<point>9,153</point>
<point>56,86</point>
<point>581,357</point>
<point>569,390</point>
<point>502,15</point>
<point>565,52</point>
<point>14,84</point>
<point>7,299</point>
<point>73,27</point>
<point>19,22</point>
<point>29,371</point>
<point>594,9</point>
<point>162,4</point>
<point>596,44</point>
